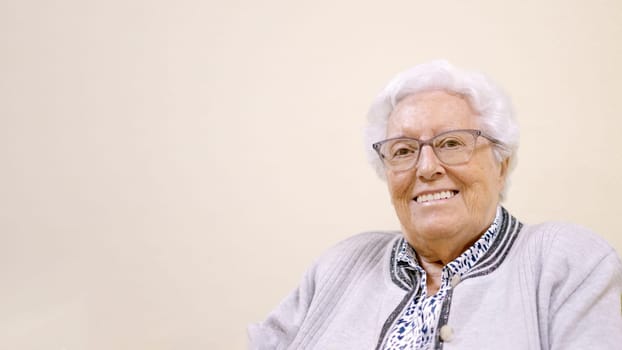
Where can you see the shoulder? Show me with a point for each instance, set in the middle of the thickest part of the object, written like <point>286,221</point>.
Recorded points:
<point>366,241</point>
<point>567,238</point>
<point>578,278</point>
<point>361,251</point>
<point>363,244</point>
<point>565,249</point>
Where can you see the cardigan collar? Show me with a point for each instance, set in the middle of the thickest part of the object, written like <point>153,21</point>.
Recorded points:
<point>488,251</point>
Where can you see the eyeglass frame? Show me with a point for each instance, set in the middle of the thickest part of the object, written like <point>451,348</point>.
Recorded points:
<point>475,132</point>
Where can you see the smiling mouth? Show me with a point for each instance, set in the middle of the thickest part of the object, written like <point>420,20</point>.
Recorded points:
<point>429,197</point>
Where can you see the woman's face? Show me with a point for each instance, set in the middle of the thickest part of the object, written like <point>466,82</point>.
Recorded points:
<point>474,186</point>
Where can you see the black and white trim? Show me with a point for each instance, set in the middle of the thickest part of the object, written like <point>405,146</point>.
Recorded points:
<point>409,279</point>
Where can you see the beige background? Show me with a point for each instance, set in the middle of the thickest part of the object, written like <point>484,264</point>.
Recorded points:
<point>169,168</point>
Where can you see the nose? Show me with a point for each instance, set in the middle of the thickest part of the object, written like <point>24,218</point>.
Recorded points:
<point>428,166</point>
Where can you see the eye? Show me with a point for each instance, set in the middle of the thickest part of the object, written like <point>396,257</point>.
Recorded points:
<point>450,143</point>
<point>401,150</point>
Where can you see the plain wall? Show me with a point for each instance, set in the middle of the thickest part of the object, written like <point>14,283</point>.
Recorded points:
<point>168,169</point>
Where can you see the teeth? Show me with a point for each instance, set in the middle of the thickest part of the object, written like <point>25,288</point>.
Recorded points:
<point>435,196</point>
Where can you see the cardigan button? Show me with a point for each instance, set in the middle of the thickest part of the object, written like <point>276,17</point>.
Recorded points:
<point>446,333</point>
<point>455,280</point>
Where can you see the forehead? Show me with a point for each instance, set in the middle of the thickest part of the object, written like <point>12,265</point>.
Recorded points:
<point>426,114</point>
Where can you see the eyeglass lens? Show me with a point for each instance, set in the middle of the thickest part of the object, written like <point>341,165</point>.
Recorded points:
<point>451,148</point>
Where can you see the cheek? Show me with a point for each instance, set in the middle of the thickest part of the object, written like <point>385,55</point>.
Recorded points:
<point>482,191</point>
<point>400,190</point>
<point>476,200</point>
<point>399,185</point>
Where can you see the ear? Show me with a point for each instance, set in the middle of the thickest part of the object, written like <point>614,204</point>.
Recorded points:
<point>504,168</point>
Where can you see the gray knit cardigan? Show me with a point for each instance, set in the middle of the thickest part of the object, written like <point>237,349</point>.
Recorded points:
<point>547,286</point>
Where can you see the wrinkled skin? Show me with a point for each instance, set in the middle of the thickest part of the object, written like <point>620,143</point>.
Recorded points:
<point>440,230</point>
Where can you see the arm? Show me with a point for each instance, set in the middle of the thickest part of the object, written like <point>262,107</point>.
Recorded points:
<point>301,320</point>
<point>586,309</point>
<point>282,324</point>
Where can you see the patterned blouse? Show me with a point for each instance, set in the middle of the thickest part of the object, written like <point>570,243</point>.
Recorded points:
<point>415,329</point>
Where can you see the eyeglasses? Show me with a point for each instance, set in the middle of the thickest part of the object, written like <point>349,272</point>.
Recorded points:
<point>451,148</point>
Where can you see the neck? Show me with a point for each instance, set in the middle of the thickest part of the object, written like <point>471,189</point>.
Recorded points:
<point>441,252</point>
<point>446,247</point>
<point>433,271</point>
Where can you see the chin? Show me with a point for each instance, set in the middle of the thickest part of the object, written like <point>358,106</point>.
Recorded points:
<point>434,231</point>
<point>433,224</point>
<point>443,216</point>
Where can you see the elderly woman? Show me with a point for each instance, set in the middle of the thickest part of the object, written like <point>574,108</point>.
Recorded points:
<point>463,273</point>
